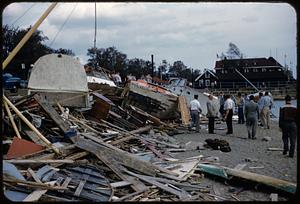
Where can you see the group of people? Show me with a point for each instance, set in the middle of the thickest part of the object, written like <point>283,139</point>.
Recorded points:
<point>251,112</point>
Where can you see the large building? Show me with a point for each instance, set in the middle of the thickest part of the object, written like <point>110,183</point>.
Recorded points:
<point>262,72</point>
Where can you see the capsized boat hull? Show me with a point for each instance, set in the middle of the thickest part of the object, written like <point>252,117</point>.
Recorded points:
<point>152,99</point>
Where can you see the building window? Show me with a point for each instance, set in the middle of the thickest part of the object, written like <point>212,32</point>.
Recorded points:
<point>201,82</point>
<point>279,69</point>
<point>207,74</point>
<point>254,70</point>
<point>246,70</point>
<point>207,83</point>
<point>263,69</point>
<point>222,71</point>
<point>225,71</point>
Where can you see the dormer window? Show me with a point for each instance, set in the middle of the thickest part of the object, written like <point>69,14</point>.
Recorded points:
<point>207,74</point>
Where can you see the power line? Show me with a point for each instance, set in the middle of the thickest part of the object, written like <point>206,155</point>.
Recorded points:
<point>95,35</point>
<point>22,14</point>
<point>63,24</point>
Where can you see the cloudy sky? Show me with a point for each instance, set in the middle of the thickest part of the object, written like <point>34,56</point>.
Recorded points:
<point>191,32</point>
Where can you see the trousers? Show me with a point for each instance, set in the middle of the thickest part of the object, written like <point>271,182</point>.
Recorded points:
<point>195,120</point>
<point>289,135</point>
<point>211,124</point>
<point>229,122</point>
<point>251,124</point>
<point>266,117</point>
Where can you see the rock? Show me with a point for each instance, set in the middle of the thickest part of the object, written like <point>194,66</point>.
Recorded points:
<point>267,138</point>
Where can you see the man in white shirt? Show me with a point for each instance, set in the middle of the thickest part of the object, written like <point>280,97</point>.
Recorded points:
<point>267,103</point>
<point>195,109</point>
<point>228,108</point>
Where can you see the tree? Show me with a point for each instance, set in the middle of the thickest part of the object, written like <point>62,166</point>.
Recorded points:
<point>109,58</point>
<point>233,52</point>
<point>177,68</point>
<point>139,67</point>
<point>33,49</point>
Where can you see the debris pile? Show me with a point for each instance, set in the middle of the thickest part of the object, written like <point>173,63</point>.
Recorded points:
<point>105,153</point>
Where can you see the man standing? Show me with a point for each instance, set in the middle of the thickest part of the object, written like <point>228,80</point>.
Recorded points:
<point>267,103</point>
<point>251,113</point>
<point>287,123</point>
<point>221,98</point>
<point>228,108</point>
<point>212,112</point>
<point>240,102</point>
<point>195,108</point>
<point>260,107</point>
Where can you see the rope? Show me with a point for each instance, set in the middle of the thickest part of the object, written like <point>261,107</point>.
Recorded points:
<point>23,14</point>
<point>63,25</point>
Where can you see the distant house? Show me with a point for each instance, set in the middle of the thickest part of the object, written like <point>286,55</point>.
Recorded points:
<point>208,79</point>
<point>262,72</point>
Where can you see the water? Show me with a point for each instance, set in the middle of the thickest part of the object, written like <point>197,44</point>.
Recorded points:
<point>277,105</point>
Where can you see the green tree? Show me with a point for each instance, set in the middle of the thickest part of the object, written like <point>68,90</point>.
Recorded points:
<point>32,50</point>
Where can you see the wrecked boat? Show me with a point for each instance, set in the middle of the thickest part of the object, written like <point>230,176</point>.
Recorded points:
<point>180,87</point>
<point>61,78</point>
<point>151,98</point>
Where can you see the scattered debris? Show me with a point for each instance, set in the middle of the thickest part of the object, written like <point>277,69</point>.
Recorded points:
<point>266,138</point>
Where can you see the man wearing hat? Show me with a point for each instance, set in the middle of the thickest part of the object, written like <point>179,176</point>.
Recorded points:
<point>287,123</point>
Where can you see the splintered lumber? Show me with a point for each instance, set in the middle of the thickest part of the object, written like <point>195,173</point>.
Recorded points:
<point>275,149</point>
<point>267,180</point>
<point>119,155</point>
<point>12,120</point>
<point>163,143</point>
<point>31,184</point>
<point>184,110</point>
<point>129,195</point>
<point>64,126</point>
<point>30,161</point>
<point>118,169</point>
<point>49,144</point>
<point>181,194</point>
<point>37,194</point>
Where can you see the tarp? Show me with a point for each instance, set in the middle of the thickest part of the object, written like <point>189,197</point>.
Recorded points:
<point>57,72</point>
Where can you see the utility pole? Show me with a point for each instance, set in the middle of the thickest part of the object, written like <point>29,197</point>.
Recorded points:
<point>152,65</point>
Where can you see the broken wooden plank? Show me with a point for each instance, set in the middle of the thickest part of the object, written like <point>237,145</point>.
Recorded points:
<point>47,161</point>
<point>12,120</point>
<point>129,195</point>
<point>184,110</point>
<point>267,180</point>
<point>117,169</point>
<point>163,143</point>
<point>64,126</point>
<point>120,184</point>
<point>35,196</point>
<point>34,176</point>
<point>45,140</point>
<point>180,194</point>
<point>79,187</point>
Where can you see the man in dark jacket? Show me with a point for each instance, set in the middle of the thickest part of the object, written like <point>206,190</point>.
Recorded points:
<point>287,123</point>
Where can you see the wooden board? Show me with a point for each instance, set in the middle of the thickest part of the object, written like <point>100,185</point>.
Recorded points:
<point>184,110</point>
<point>64,126</point>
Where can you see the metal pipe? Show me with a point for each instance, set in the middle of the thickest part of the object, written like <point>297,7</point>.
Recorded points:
<point>27,36</point>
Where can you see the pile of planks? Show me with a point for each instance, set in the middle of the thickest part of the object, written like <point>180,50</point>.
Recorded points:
<point>116,155</point>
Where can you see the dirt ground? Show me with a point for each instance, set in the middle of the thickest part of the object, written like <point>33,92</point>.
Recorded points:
<point>270,163</point>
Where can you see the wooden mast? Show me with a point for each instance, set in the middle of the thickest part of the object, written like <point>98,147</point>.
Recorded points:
<point>27,36</point>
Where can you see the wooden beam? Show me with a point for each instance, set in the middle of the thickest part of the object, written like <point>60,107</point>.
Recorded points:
<point>64,126</point>
<point>49,144</point>
<point>27,36</point>
<point>30,161</point>
<point>12,120</point>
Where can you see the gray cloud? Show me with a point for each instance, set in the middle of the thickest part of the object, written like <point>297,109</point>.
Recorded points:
<point>191,32</point>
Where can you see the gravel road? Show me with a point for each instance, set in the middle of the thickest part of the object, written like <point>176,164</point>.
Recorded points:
<point>262,161</point>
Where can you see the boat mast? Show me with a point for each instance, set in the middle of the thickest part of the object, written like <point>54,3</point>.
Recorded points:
<point>247,80</point>
<point>27,36</point>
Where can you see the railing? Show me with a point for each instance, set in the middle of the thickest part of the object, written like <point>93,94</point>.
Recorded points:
<point>259,85</point>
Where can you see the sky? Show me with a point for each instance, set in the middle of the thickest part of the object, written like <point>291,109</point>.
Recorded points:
<point>191,32</point>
